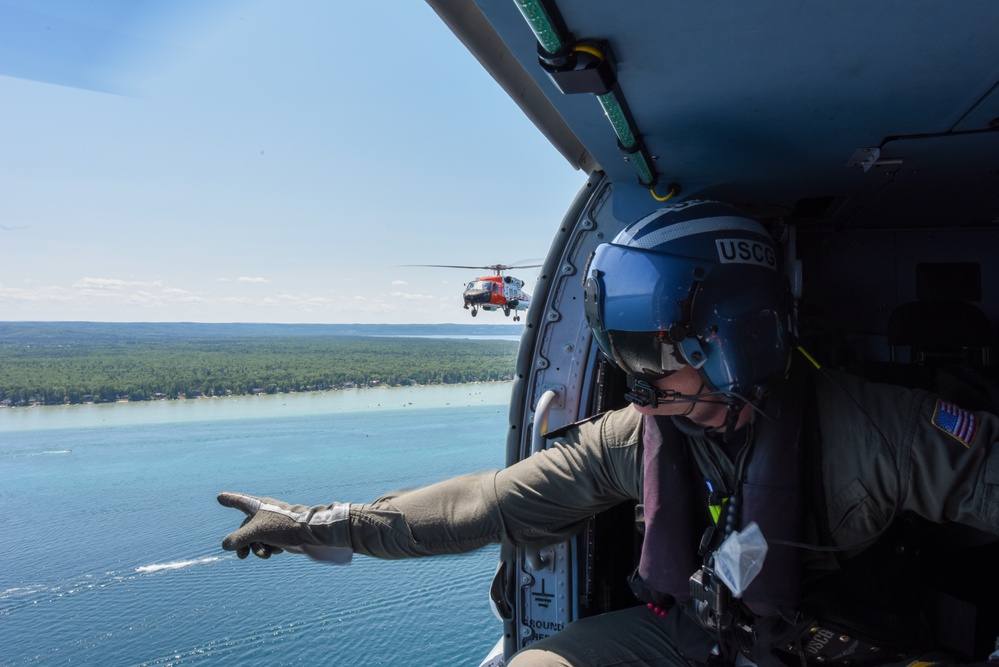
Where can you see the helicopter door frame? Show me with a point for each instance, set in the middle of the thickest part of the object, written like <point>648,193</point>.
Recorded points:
<point>556,362</point>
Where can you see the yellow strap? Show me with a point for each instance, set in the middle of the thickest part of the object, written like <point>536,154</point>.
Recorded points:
<point>672,191</point>
<point>715,512</point>
<point>809,357</point>
<point>592,50</point>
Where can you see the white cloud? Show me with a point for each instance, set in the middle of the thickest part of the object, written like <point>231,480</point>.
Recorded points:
<point>89,283</point>
<point>415,297</point>
<point>247,279</point>
<point>303,299</point>
<point>136,300</point>
<point>38,294</point>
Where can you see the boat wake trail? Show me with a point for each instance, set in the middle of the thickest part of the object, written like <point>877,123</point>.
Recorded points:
<point>175,565</point>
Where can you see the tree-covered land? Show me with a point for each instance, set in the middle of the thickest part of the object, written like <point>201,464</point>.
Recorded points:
<point>43,364</point>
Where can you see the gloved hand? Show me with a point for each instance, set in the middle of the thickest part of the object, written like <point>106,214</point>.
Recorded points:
<point>271,526</point>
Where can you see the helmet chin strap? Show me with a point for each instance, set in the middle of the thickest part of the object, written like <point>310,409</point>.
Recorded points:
<point>645,395</point>
<point>732,412</point>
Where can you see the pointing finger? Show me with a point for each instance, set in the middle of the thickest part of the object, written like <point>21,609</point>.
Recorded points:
<point>248,505</point>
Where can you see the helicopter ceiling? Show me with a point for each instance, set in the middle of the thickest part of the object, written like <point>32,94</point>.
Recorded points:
<point>886,115</point>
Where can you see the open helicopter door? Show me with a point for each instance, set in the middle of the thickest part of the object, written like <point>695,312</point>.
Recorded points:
<point>559,381</point>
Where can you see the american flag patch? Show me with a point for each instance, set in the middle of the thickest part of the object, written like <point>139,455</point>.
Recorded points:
<point>955,421</point>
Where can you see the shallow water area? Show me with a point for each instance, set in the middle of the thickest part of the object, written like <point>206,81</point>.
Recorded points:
<point>261,406</point>
<point>112,533</point>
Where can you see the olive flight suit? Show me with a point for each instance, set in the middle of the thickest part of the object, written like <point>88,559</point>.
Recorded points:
<point>882,450</point>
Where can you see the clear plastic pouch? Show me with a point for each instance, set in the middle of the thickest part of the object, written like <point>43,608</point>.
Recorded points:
<point>740,558</point>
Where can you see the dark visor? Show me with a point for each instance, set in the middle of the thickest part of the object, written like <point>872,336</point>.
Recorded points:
<point>630,304</point>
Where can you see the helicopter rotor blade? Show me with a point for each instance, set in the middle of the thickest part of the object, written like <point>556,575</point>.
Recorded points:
<point>448,266</point>
<point>493,267</point>
<point>504,267</point>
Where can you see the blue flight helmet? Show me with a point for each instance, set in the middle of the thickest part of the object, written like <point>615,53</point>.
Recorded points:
<point>696,283</point>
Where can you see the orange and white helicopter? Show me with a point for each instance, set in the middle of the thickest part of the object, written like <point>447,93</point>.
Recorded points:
<point>495,292</point>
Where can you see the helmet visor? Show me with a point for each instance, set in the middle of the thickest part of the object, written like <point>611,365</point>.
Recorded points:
<point>647,355</point>
<point>631,296</point>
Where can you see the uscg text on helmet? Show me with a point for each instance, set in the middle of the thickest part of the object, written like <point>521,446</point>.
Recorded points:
<point>743,251</point>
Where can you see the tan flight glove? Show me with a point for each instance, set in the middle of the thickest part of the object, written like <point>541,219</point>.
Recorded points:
<point>271,526</point>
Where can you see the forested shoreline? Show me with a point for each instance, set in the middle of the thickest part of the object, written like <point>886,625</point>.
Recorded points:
<point>44,367</point>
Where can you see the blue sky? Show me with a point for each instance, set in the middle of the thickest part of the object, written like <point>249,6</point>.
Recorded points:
<point>263,162</point>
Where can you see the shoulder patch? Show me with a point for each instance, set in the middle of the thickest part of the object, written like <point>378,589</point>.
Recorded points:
<point>956,422</point>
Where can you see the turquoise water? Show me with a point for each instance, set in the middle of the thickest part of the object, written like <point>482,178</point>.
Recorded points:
<point>111,531</point>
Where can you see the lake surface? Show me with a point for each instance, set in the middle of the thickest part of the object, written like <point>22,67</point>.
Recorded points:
<point>112,534</point>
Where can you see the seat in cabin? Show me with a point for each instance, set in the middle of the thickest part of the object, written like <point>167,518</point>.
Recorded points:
<point>940,332</point>
<point>948,352</point>
<point>941,346</point>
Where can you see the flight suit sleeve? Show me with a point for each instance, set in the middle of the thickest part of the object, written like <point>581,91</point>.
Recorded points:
<point>888,449</point>
<point>952,470</point>
<point>537,501</point>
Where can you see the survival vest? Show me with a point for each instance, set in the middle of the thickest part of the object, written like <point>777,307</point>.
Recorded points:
<point>820,626</point>
<point>768,492</point>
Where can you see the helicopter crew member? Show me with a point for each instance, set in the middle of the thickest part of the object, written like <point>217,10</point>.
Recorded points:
<point>730,432</point>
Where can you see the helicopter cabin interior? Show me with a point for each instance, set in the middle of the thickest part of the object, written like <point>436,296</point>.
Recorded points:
<point>864,136</point>
<point>891,302</point>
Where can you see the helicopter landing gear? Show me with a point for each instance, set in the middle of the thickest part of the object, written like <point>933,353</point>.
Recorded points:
<point>516,318</point>
<point>475,311</point>
<point>506,311</point>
